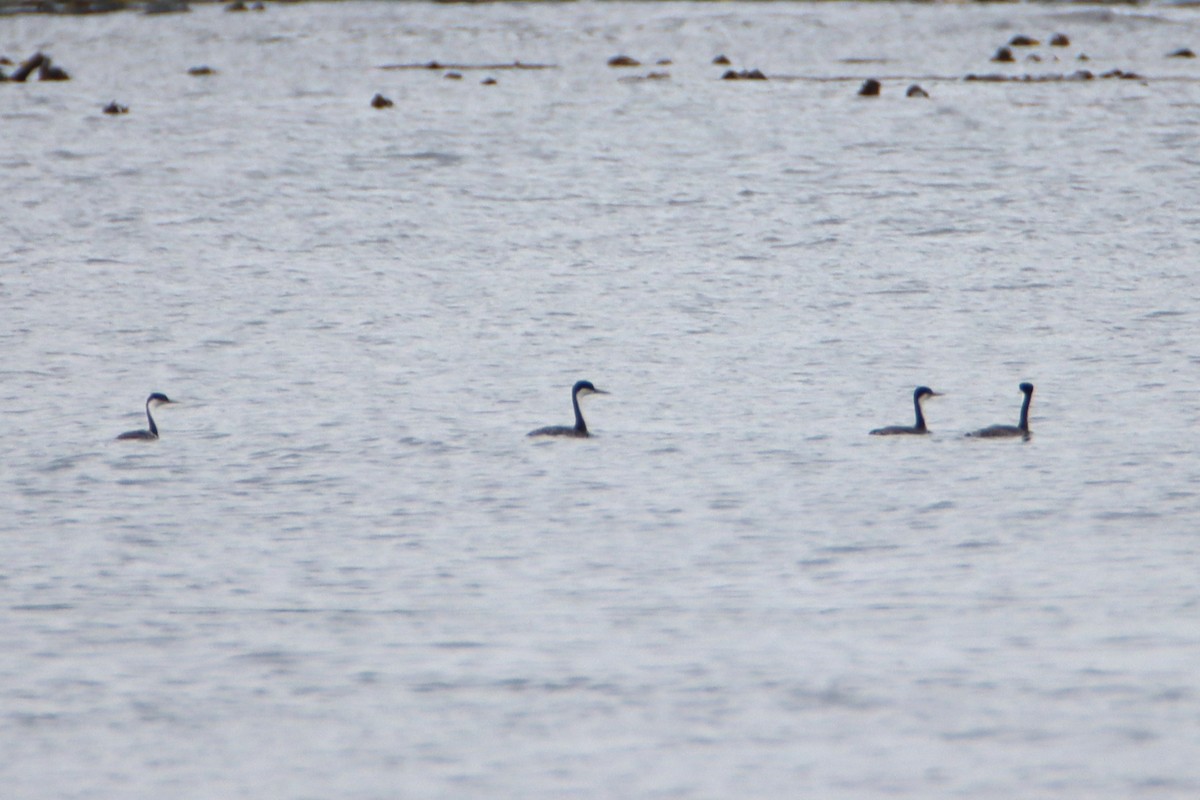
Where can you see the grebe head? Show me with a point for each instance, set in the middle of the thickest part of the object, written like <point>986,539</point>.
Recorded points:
<point>1027,388</point>
<point>584,388</point>
<point>158,399</point>
<point>924,391</point>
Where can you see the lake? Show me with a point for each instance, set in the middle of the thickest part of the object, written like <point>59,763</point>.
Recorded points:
<point>344,571</point>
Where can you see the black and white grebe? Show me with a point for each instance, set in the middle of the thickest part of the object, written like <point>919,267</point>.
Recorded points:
<point>579,431</point>
<point>157,399</point>
<point>1005,431</point>
<point>919,394</point>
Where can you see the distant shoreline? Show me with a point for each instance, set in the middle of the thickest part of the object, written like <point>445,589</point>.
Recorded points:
<point>87,7</point>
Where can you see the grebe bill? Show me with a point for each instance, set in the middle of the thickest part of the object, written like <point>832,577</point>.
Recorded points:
<point>919,394</point>
<point>156,399</point>
<point>580,430</point>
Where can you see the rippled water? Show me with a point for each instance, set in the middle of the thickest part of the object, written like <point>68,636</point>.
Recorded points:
<point>345,572</point>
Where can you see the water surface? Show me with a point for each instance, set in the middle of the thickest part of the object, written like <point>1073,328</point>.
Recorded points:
<point>345,572</point>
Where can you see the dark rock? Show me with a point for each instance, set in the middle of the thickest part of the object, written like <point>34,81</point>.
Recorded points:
<point>916,91</point>
<point>236,5</point>
<point>488,81</point>
<point>453,76</point>
<point>869,88</point>
<point>201,70</point>
<point>1121,74</point>
<point>663,62</point>
<point>744,75</point>
<point>28,66</point>
<point>1081,75</point>
<point>1020,40</point>
<point>1183,52</point>
<point>1082,57</point>
<point>114,108</point>
<point>1003,56</point>
<point>1060,40</point>
<point>624,61</point>
<point>49,72</point>
<point>379,101</point>
<point>722,61</point>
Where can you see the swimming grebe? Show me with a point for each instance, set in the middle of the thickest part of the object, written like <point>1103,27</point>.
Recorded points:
<point>1020,429</point>
<point>919,394</point>
<point>157,399</point>
<point>580,389</point>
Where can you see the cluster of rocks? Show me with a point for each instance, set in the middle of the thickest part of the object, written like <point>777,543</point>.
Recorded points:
<point>454,72</point>
<point>743,75</point>
<point>630,61</point>
<point>624,61</point>
<point>380,101</point>
<point>39,62</point>
<point>737,74</point>
<point>1054,77</point>
<point>1004,55</point>
<point>871,88</point>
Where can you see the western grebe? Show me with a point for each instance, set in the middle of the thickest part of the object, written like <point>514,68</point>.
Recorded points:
<point>157,399</point>
<point>1020,429</point>
<point>919,394</point>
<point>580,389</point>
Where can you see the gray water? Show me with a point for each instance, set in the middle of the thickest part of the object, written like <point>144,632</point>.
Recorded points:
<point>344,571</point>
